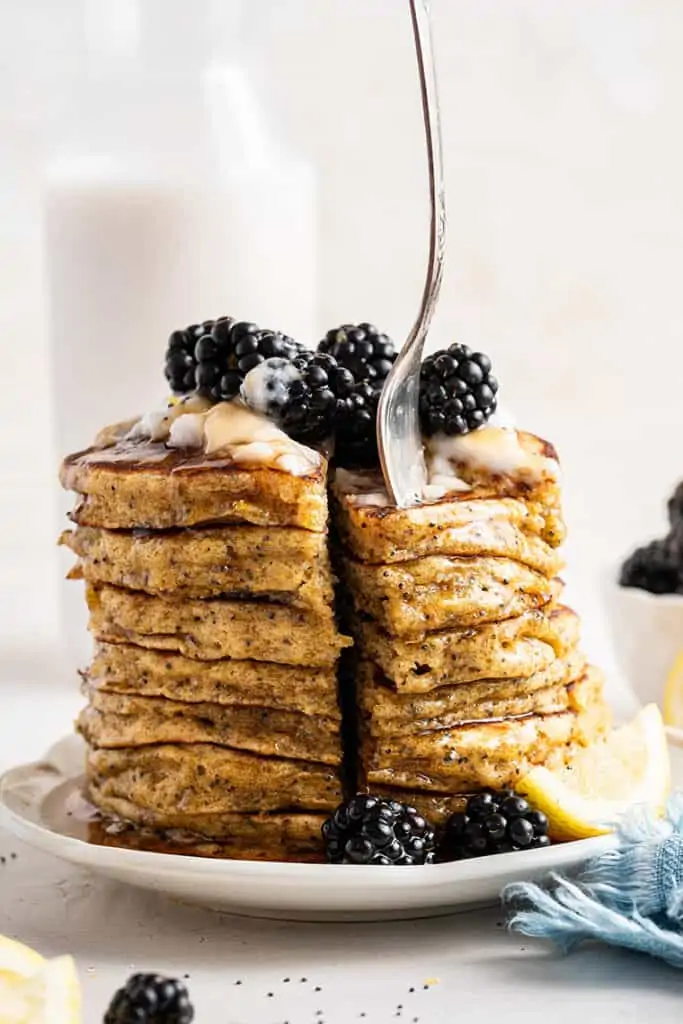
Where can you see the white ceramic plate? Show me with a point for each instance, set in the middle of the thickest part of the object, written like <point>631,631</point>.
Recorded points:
<point>33,805</point>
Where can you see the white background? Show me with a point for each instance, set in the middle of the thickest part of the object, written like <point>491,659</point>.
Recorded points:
<point>565,192</point>
<point>564,168</point>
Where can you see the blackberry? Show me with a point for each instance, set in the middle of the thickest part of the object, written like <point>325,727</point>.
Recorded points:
<point>361,349</point>
<point>675,506</point>
<point>214,357</point>
<point>150,999</point>
<point>180,363</point>
<point>457,391</point>
<point>368,830</point>
<point>493,822</point>
<point>299,393</point>
<point>653,567</point>
<point>356,426</point>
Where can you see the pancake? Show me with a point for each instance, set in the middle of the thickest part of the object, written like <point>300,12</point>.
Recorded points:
<point>507,507</point>
<point>201,779</point>
<point>125,669</point>
<point>435,592</point>
<point>387,713</point>
<point>214,629</point>
<point>497,650</point>
<point>135,484</point>
<point>115,720</point>
<point>287,565</point>
<point>261,837</point>
<point>479,755</point>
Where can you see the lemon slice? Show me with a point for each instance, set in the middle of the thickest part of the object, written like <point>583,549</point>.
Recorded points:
<point>37,991</point>
<point>673,694</point>
<point>630,767</point>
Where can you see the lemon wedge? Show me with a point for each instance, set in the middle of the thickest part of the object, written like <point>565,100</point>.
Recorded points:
<point>673,694</point>
<point>630,767</point>
<point>37,991</point>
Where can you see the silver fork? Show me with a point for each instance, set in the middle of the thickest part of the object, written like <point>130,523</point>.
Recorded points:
<point>398,422</point>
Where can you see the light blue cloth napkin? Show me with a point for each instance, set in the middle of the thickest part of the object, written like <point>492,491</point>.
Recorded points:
<point>631,896</point>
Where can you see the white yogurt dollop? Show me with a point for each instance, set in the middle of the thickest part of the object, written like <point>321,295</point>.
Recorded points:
<point>267,385</point>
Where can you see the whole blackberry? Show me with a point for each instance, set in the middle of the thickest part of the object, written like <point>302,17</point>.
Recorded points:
<point>493,823</point>
<point>361,349</point>
<point>675,506</point>
<point>356,426</point>
<point>368,830</point>
<point>150,999</point>
<point>214,357</point>
<point>180,363</point>
<point>653,567</point>
<point>457,391</point>
<point>300,394</point>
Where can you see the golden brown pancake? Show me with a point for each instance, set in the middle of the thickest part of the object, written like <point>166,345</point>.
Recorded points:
<point>497,650</point>
<point>409,599</point>
<point>216,629</point>
<point>388,713</point>
<point>513,515</point>
<point>136,484</point>
<point>126,669</point>
<point>285,564</point>
<point>478,755</point>
<point>200,779</point>
<point>115,720</point>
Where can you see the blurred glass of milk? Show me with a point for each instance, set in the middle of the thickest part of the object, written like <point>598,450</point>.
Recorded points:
<point>167,202</point>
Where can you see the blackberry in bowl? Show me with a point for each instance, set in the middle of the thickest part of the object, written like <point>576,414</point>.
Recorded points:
<point>645,608</point>
<point>493,822</point>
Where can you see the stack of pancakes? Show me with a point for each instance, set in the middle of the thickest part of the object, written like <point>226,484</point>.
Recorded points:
<point>213,722</point>
<point>468,670</point>
<point>212,715</point>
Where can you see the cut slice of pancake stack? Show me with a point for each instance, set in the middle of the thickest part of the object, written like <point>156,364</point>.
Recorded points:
<point>212,716</point>
<point>468,670</point>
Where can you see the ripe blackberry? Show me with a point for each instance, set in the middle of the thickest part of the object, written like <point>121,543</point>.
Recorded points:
<point>150,999</point>
<point>368,830</point>
<point>653,567</point>
<point>493,823</point>
<point>214,357</point>
<point>457,391</point>
<point>300,394</point>
<point>356,426</point>
<point>362,349</point>
<point>180,362</point>
<point>675,506</point>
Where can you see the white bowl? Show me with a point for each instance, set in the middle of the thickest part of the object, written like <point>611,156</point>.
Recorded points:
<point>647,634</point>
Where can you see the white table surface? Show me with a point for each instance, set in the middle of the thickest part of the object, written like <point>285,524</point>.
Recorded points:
<point>472,967</point>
